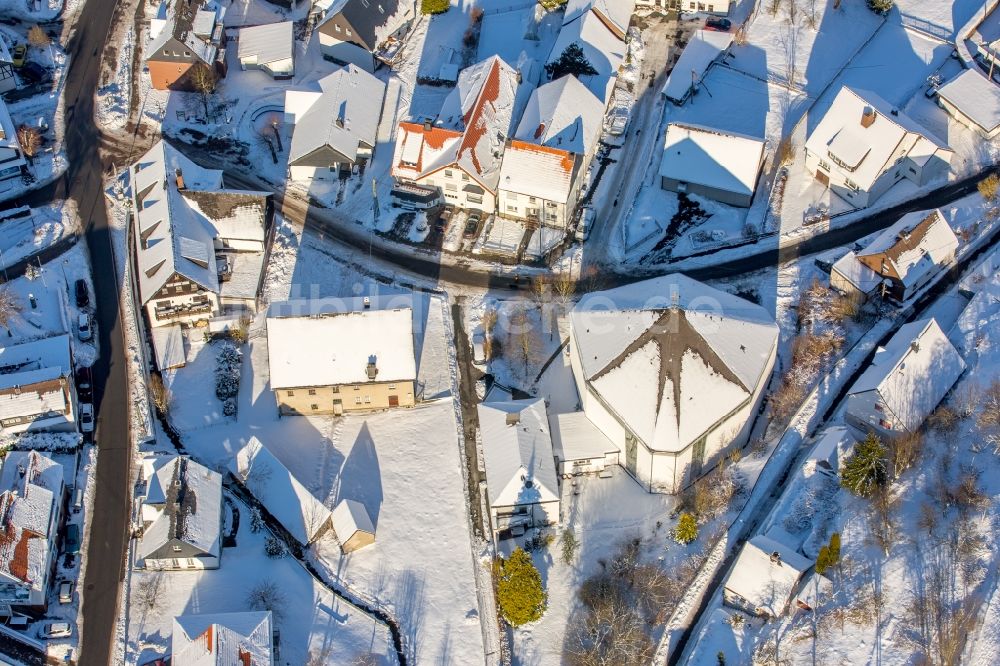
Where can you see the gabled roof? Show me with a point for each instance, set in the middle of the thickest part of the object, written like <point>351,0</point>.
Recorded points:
<point>350,517</point>
<point>563,114</point>
<point>269,43</point>
<point>865,152</point>
<point>222,639</point>
<point>913,372</point>
<point>30,484</point>
<point>712,158</point>
<point>30,377</point>
<point>194,23</point>
<point>575,437</point>
<point>343,116</point>
<point>703,48</point>
<point>537,171</point>
<point>231,214</point>
<point>976,97</point>
<point>602,48</point>
<point>672,357</point>
<point>615,14</point>
<point>517,451</point>
<point>764,581</point>
<point>188,505</point>
<point>373,20</point>
<point>917,243</point>
<point>279,491</point>
<point>863,278</point>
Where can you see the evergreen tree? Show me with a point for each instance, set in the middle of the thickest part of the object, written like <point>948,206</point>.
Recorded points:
<point>835,549</point>
<point>572,61</point>
<point>519,589</point>
<point>721,658</point>
<point>686,530</point>
<point>865,470</point>
<point>823,560</point>
<point>880,7</point>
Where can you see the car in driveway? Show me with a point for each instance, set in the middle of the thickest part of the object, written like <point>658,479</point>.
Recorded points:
<point>55,630</point>
<point>84,327</point>
<point>84,384</point>
<point>444,218</point>
<point>472,225</point>
<point>71,544</point>
<point>479,348</point>
<point>18,55</point>
<point>66,592</point>
<point>716,24</point>
<point>86,418</point>
<point>33,73</point>
<point>82,294</point>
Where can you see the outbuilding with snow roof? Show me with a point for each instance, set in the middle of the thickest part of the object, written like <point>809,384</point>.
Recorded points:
<point>973,100</point>
<point>719,165</point>
<point>269,48</point>
<point>765,578</point>
<point>353,526</point>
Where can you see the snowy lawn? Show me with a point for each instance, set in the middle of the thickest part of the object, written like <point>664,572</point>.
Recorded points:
<point>22,235</point>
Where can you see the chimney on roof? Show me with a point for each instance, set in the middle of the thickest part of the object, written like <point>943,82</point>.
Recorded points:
<point>366,303</point>
<point>371,370</point>
<point>179,176</point>
<point>427,125</point>
<point>519,77</point>
<point>776,558</point>
<point>513,418</point>
<point>867,116</point>
<point>915,346</point>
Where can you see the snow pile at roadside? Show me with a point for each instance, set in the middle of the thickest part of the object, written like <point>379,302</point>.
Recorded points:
<point>115,97</point>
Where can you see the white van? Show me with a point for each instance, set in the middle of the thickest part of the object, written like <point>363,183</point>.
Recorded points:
<point>586,222</point>
<point>478,348</point>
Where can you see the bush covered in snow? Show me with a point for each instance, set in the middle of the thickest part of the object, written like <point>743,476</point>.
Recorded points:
<point>229,406</point>
<point>274,548</point>
<point>227,371</point>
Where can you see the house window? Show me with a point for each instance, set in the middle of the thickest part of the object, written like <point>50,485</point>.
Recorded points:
<point>337,27</point>
<point>368,399</point>
<point>356,388</point>
<point>474,198</point>
<point>912,170</point>
<point>879,408</point>
<point>512,209</point>
<point>177,549</point>
<point>187,54</point>
<point>465,176</point>
<point>335,389</point>
<point>348,31</point>
<point>887,425</point>
<point>178,289</point>
<point>314,407</point>
<point>392,387</point>
<point>451,187</point>
<point>825,166</point>
<point>191,562</point>
<point>290,393</point>
<point>447,173</point>
<point>512,196</point>
<point>532,199</point>
<point>357,400</point>
<point>312,391</point>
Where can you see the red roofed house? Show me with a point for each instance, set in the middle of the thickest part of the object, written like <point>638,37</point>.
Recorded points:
<point>460,153</point>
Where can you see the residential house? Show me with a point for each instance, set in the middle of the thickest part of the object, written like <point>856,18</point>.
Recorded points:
<point>832,448</point>
<point>269,48</point>
<point>199,247</point>
<point>905,381</point>
<point>185,34</point>
<point>718,165</point>
<point>704,49</point>
<point>715,7</point>
<point>863,146</point>
<point>901,261</point>
<point>31,503</point>
<point>765,578</point>
<point>7,80</point>
<point>602,41</point>
<point>12,160</point>
<point>181,514</point>
<point>672,371</point>
<point>614,14</point>
<point>522,488</point>
<point>579,446</point>
<point>357,355</point>
<point>223,639</point>
<point>353,526</point>
<point>365,33</point>
<point>460,154</point>
<point>37,391</point>
<point>282,495</point>
<point>335,126</point>
<point>546,162</point>
<point>973,100</point>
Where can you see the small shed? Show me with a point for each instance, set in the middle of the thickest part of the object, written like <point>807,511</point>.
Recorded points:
<point>269,47</point>
<point>168,345</point>
<point>579,446</point>
<point>831,449</point>
<point>353,526</point>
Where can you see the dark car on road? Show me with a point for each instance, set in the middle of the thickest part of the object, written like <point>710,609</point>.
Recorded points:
<point>82,294</point>
<point>32,72</point>
<point>472,225</point>
<point>84,384</point>
<point>718,24</point>
<point>71,544</point>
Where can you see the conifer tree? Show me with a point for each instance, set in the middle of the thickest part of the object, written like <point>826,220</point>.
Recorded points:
<point>519,589</point>
<point>865,470</point>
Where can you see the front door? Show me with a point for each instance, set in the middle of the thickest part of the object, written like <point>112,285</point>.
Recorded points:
<point>338,407</point>
<point>394,401</point>
<point>823,177</point>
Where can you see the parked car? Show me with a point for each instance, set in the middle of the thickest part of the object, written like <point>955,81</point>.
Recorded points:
<point>585,224</point>
<point>82,294</point>
<point>84,384</point>
<point>71,544</point>
<point>55,630</point>
<point>66,592</point>
<point>32,72</point>
<point>86,417</point>
<point>19,55</point>
<point>472,225</point>
<point>444,218</point>
<point>19,622</point>
<point>718,24</point>
<point>479,348</point>
<point>84,330</point>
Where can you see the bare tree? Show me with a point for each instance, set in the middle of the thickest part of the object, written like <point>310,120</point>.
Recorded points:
<point>264,138</point>
<point>883,527</point>
<point>203,80</point>
<point>31,141</point>
<point>10,307</point>
<point>160,394</point>
<point>274,124</point>
<point>267,596</point>
<point>490,317</point>
<point>39,38</point>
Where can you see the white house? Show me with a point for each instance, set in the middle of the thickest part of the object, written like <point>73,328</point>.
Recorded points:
<point>546,162</point>
<point>704,48</point>
<point>460,154</point>
<point>905,381</point>
<point>199,247</point>
<point>900,261</point>
<point>863,146</point>
<point>765,578</point>
<point>335,125</point>
<point>223,639</point>
<point>521,482</point>
<point>672,371</point>
<point>12,160</point>
<point>31,501</point>
<point>181,514</point>
<point>973,100</point>
<point>269,47</point>
<point>279,492</point>
<point>830,450</point>
<point>602,44</point>
<point>579,446</point>
<point>353,526</point>
<point>37,391</point>
<point>711,163</point>
<point>366,33</point>
<point>615,14</point>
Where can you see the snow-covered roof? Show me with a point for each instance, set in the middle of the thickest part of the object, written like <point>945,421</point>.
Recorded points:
<point>30,485</point>
<point>349,517</point>
<point>863,278</point>
<point>764,580</point>
<point>10,149</point>
<point>563,114</point>
<point>615,14</point>
<point>711,157</point>
<point>279,491</point>
<point>703,48</point>
<point>34,377</point>
<point>866,151</point>
<point>976,97</point>
<point>267,43</point>
<point>222,639</point>
<point>828,449</point>
<point>336,348</point>
<point>194,23</point>
<point>168,345</point>
<point>517,452</point>
<point>373,20</point>
<point>180,209</point>
<point>342,116</point>
<point>420,149</point>
<point>186,503</point>
<point>603,49</point>
<point>575,437</point>
<point>912,373</point>
<point>671,356</point>
<point>537,171</point>
<point>917,243</point>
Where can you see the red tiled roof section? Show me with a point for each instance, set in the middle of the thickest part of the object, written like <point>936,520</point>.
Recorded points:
<point>476,124</point>
<point>207,636</point>
<point>246,659</point>
<point>18,566</point>
<point>433,138</point>
<point>567,158</point>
